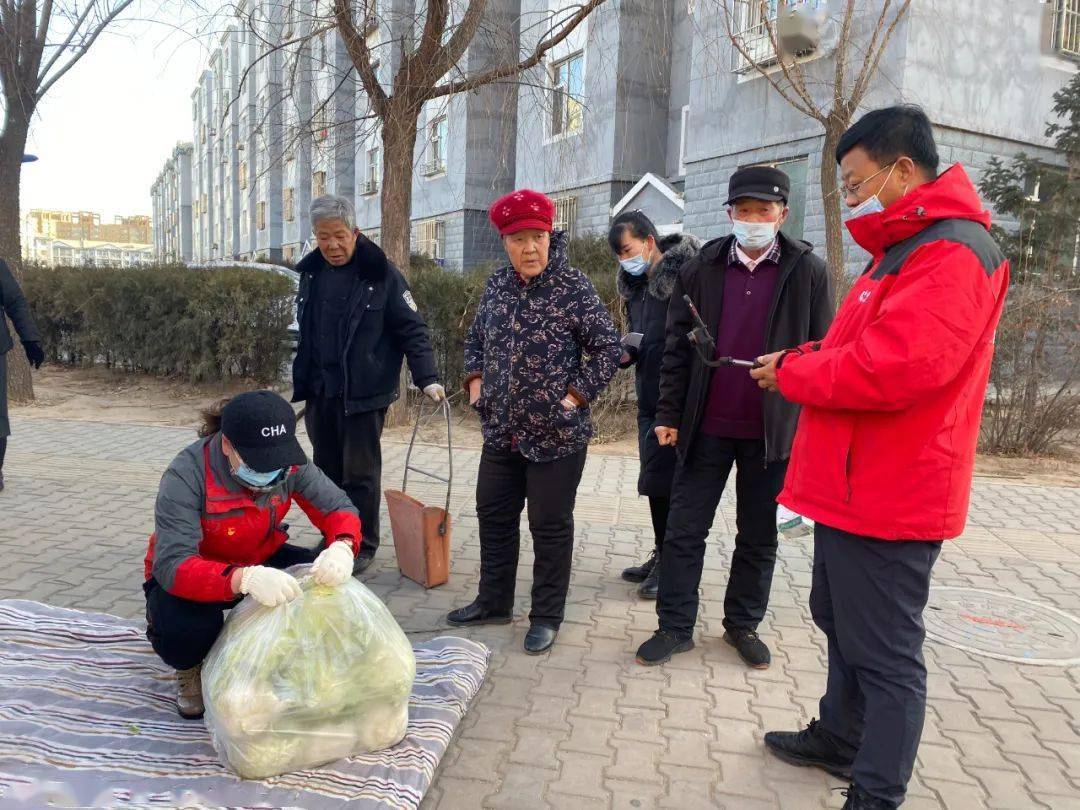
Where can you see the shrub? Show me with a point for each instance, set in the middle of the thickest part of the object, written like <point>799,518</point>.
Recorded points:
<point>199,325</point>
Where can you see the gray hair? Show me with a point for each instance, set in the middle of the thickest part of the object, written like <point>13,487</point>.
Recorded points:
<point>330,207</point>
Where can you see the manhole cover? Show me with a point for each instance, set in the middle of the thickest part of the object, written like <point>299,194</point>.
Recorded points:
<point>1001,626</point>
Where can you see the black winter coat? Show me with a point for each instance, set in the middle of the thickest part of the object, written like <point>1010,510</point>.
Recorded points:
<point>13,304</point>
<point>383,327</point>
<point>646,302</point>
<point>801,311</point>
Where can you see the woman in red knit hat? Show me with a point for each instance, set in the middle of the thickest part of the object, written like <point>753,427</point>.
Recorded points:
<point>541,349</point>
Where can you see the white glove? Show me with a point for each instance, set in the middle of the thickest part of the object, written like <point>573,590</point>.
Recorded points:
<point>436,392</point>
<point>334,565</point>
<point>269,586</point>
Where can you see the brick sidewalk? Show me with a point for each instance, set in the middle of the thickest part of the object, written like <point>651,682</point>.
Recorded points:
<point>585,727</point>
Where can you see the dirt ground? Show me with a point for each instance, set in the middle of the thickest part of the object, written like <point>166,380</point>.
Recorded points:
<point>100,395</point>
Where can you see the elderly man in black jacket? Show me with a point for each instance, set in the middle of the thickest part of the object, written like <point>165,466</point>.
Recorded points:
<point>13,304</point>
<point>358,320</point>
<point>757,291</point>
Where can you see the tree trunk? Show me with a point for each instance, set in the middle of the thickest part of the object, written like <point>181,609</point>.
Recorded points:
<point>399,141</point>
<point>831,202</point>
<point>12,144</point>
<point>395,231</point>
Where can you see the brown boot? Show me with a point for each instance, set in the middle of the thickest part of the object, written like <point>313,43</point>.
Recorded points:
<point>189,700</point>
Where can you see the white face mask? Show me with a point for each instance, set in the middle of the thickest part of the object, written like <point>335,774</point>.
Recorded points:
<point>753,235</point>
<point>635,266</point>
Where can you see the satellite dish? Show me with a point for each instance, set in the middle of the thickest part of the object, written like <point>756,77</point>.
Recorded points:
<point>29,158</point>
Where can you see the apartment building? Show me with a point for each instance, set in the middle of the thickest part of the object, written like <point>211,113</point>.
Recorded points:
<point>647,105</point>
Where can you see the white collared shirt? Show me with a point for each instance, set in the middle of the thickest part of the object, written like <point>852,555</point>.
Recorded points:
<point>751,264</point>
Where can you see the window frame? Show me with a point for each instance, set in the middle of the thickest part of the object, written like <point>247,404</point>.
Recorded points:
<point>561,121</point>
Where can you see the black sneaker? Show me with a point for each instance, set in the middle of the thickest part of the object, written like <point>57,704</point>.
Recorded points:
<point>651,586</point>
<point>813,746</point>
<point>662,646</point>
<point>859,799</point>
<point>751,649</point>
<point>638,573</point>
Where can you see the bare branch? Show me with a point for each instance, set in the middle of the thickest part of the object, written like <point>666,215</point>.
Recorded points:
<point>85,46</point>
<point>460,40</point>
<point>357,47</point>
<point>811,111</point>
<point>504,71</point>
<point>430,45</point>
<point>43,31</point>
<point>794,74</point>
<point>873,58</point>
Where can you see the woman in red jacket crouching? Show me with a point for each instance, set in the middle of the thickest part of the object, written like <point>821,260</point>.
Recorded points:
<point>218,531</point>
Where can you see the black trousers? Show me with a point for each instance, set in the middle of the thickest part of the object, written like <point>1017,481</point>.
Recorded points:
<point>505,482</point>
<point>699,483</point>
<point>868,597</point>
<point>182,631</point>
<point>659,508</point>
<point>349,450</point>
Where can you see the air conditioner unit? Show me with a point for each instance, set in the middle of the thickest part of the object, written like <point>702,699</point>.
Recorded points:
<point>798,31</point>
<point>371,187</point>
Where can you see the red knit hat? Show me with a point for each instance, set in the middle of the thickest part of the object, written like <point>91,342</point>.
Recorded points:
<point>522,209</point>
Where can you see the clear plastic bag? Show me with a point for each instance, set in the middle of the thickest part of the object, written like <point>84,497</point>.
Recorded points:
<point>303,684</point>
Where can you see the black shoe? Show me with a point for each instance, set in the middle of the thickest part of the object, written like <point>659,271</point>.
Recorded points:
<point>859,799</point>
<point>362,562</point>
<point>1,482</point>
<point>639,573</point>
<point>649,588</point>
<point>751,649</point>
<point>475,613</point>
<point>813,746</point>
<point>662,646</point>
<point>539,638</point>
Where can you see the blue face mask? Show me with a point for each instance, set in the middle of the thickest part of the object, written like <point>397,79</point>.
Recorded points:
<point>871,205</point>
<point>635,266</point>
<point>256,480</point>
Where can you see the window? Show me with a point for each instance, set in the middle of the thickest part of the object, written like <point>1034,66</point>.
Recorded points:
<point>290,20</point>
<point>565,215</point>
<point>318,184</point>
<point>682,139</point>
<point>436,162</point>
<point>287,204</point>
<point>430,237</point>
<point>260,216</point>
<point>566,93</point>
<point>374,170</point>
<point>1067,28</point>
<point>242,174</point>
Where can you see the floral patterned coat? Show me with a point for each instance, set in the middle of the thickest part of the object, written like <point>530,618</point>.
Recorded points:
<point>532,344</point>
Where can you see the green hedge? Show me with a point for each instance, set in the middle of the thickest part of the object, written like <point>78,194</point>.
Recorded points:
<point>199,325</point>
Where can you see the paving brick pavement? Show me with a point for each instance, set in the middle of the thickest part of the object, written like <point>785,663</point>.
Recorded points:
<point>585,727</point>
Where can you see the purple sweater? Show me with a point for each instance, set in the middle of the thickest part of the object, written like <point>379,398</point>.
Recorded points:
<point>734,408</point>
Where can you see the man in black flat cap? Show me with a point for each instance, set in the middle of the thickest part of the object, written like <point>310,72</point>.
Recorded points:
<point>758,291</point>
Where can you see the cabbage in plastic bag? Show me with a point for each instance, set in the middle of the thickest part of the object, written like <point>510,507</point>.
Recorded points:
<point>320,678</point>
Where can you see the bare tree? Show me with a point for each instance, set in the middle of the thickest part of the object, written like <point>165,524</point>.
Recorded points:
<point>429,71</point>
<point>834,103</point>
<point>40,41</point>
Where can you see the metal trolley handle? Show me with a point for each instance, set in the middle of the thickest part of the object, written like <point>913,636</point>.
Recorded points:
<point>448,479</point>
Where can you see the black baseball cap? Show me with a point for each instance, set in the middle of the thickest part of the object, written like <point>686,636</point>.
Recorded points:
<point>759,182</point>
<point>261,425</point>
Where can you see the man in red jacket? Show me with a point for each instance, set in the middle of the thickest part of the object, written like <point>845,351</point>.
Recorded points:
<point>883,456</point>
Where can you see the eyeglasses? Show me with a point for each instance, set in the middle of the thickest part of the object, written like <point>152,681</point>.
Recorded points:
<point>853,191</point>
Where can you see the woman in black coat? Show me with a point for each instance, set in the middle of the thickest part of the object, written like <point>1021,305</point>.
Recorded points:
<point>13,304</point>
<point>648,267</point>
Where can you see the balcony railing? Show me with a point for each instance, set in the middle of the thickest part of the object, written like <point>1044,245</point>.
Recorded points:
<point>1067,28</point>
<point>371,187</point>
<point>434,167</point>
